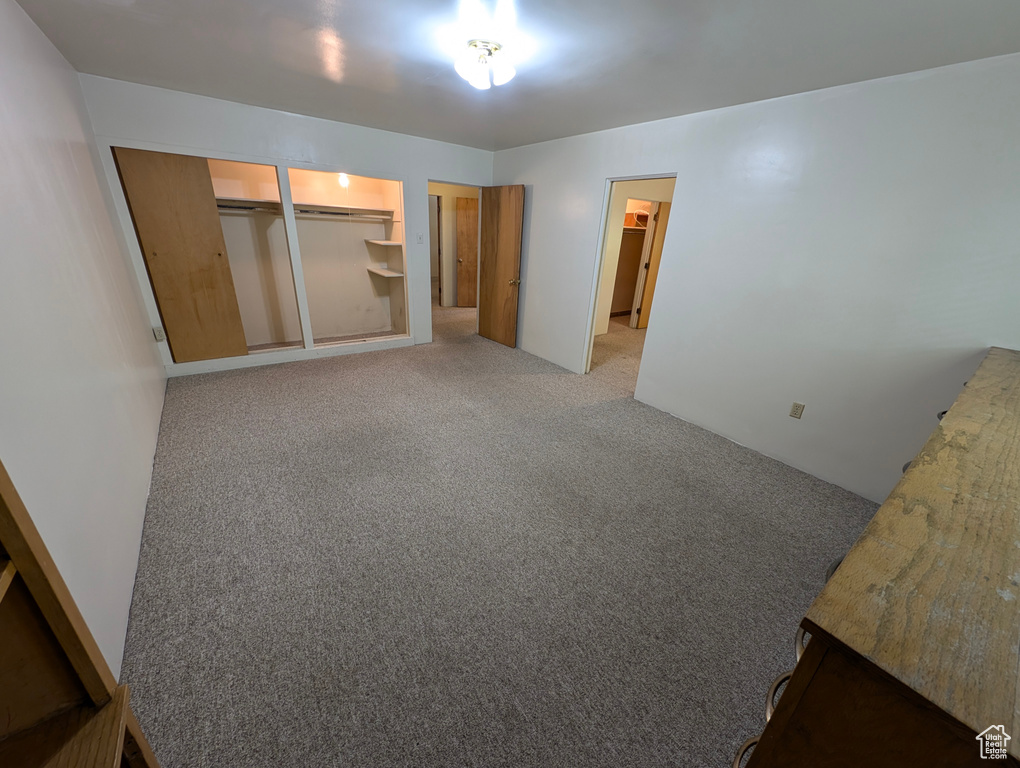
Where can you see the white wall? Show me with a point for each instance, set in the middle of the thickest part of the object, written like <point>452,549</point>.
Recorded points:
<point>856,249</point>
<point>142,116</point>
<point>81,386</point>
<point>448,194</point>
<point>655,190</point>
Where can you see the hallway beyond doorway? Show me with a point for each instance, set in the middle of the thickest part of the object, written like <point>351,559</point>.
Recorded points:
<point>633,233</point>
<point>453,323</point>
<point>616,356</point>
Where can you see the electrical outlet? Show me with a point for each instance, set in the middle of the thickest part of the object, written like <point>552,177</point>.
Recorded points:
<point>159,333</point>
<point>797,411</point>
<point>421,238</point>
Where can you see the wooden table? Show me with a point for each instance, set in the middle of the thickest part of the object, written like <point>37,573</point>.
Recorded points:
<point>915,641</point>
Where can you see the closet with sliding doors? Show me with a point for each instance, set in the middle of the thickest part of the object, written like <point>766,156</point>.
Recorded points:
<point>351,237</point>
<point>237,268</point>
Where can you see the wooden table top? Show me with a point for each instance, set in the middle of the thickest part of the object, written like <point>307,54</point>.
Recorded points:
<point>930,593</point>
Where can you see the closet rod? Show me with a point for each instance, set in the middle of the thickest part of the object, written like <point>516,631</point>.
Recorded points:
<point>367,216</point>
<point>270,206</point>
<point>301,212</point>
<point>276,209</point>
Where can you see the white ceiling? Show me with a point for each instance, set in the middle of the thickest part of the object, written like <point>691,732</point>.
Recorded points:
<point>597,63</point>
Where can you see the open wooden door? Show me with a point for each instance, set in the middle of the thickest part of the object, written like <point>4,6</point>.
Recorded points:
<point>502,221</point>
<point>661,220</point>
<point>467,251</point>
<point>173,206</point>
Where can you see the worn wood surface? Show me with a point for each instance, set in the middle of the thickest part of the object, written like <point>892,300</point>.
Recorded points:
<point>7,573</point>
<point>502,220</point>
<point>931,591</point>
<point>137,752</point>
<point>36,678</point>
<point>467,251</point>
<point>82,737</point>
<point>173,207</point>
<point>839,711</point>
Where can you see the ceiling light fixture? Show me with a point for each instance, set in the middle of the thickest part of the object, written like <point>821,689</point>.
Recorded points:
<point>344,180</point>
<point>484,63</point>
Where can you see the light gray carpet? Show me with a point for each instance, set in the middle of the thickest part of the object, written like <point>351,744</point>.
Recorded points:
<point>616,356</point>
<point>458,554</point>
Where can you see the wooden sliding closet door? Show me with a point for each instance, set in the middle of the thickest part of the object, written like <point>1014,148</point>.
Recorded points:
<point>467,251</point>
<point>173,206</point>
<point>499,266</point>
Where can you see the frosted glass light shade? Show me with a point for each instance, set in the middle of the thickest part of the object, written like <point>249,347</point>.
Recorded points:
<point>484,64</point>
<point>502,70</point>
<point>473,66</point>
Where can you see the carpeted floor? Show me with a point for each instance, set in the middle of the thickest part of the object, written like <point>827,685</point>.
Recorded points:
<point>616,356</point>
<point>458,554</point>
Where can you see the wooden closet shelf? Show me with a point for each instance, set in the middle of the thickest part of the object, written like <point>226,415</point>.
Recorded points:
<point>382,272</point>
<point>384,242</point>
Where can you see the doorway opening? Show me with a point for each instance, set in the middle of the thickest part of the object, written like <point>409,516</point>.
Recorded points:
<point>634,229</point>
<point>476,237</point>
<point>453,246</point>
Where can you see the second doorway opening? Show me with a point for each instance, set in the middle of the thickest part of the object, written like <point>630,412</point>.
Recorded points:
<point>635,228</point>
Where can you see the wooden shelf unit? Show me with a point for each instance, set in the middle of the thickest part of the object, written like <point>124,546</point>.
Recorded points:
<point>384,242</point>
<point>61,706</point>
<point>915,640</point>
<point>382,271</point>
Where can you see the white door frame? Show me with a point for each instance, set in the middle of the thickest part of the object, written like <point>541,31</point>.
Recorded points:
<point>597,287</point>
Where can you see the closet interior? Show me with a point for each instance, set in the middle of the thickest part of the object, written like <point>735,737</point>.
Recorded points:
<point>629,266</point>
<point>351,236</point>
<point>637,268</point>
<point>255,234</point>
<point>221,247</point>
